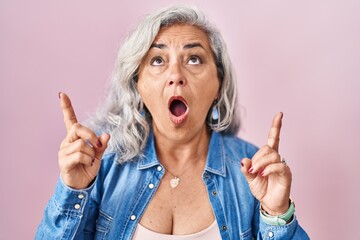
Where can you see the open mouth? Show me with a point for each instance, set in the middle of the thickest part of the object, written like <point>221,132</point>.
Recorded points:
<point>178,110</point>
<point>178,107</point>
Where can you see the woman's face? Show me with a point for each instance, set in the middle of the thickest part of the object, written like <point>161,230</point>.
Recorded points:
<point>178,80</point>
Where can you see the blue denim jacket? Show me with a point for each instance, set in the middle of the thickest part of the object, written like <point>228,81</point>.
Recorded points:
<point>112,207</point>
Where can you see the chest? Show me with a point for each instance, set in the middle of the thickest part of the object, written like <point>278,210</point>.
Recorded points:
<point>134,196</point>
<point>180,210</point>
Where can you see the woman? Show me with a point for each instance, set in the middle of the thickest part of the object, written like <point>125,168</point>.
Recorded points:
<point>172,167</point>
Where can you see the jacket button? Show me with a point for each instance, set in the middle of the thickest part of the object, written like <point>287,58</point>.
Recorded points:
<point>77,206</point>
<point>271,234</point>
<point>214,193</point>
<point>81,196</point>
<point>224,228</point>
<point>159,168</point>
<point>133,217</point>
<point>151,185</point>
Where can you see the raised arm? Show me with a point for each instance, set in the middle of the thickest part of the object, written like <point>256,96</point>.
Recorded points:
<point>81,150</point>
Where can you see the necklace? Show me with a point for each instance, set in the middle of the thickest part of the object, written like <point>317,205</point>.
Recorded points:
<point>174,182</point>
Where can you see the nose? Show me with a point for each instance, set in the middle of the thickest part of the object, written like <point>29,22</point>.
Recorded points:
<point>176,76</point>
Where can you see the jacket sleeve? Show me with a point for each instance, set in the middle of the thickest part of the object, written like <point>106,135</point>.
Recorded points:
<point>66,213</point>
<point>289,231</point>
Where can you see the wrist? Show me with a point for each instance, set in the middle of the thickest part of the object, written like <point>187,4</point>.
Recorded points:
<point>280,209</point>
<point>279,205</point>
<point>278,220</point>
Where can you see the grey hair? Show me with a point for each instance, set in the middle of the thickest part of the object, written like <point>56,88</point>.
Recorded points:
<point>123,114</point>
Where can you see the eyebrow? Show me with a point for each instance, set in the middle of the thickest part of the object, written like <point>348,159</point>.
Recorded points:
<point>186,46</point>
<point>193,45</point>
<point>157,45</point>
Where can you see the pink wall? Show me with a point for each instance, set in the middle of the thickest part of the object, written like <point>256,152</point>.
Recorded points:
<point>300,57</point>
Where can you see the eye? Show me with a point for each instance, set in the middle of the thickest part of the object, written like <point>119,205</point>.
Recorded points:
<point>194,60</point>
<point>157,61</point>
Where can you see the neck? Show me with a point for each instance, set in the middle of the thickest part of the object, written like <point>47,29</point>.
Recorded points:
<point>180,152</point>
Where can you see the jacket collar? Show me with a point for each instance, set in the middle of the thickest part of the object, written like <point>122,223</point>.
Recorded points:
<point>149,157</point>
<point>215,162</point>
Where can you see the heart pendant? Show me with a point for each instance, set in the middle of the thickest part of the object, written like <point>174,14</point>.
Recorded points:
<point>174,182</point>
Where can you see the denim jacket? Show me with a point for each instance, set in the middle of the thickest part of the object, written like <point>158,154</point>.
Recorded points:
<point>113,205</point>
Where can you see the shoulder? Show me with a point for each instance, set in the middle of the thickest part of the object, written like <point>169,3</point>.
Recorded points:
<point>112,160</point>
<point>236,148</point>
<point>108,159</point>
<point>110,166</point>
<point>112,173</point>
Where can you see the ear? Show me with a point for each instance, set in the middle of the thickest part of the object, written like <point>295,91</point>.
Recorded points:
<point>217,96</point>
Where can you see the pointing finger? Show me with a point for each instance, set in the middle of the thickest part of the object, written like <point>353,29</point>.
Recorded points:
<point>274,134</point>
<point>68,111</point>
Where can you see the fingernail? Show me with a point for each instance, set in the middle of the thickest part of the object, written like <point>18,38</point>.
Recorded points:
<point>59,95</point>
<point>251,170</point>
<point>99,144</point>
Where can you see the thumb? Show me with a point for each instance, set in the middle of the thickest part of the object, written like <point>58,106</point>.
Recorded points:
<point>104,139</point>
<point>245,166</point>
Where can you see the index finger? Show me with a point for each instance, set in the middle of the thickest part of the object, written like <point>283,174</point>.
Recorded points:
<point>68,111</point>
<point>274,134</point>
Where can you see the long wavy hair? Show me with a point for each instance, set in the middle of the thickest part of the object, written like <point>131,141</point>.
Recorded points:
<point>123,114</point>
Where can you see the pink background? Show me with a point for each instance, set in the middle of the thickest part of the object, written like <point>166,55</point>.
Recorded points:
<point>302,58</point>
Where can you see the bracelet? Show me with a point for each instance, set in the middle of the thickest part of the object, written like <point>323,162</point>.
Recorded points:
<point>278,220</point>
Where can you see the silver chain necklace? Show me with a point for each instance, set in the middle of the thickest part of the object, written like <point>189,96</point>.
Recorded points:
<point>175,181</point>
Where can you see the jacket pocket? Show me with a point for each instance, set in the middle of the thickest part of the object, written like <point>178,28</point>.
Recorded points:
<point>102,225</point>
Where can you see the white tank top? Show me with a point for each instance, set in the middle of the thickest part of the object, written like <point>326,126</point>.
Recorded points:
<point>211,232</point>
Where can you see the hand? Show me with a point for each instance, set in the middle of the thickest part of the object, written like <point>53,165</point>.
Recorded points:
<point>269,179</point>
<point>81,150</point>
